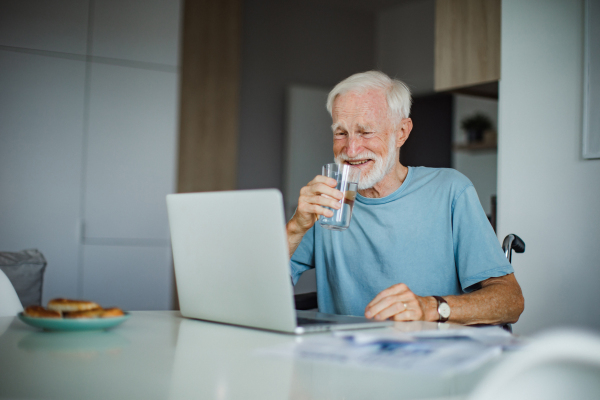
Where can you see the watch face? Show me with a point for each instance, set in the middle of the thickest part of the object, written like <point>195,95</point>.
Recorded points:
<point>444,310</point>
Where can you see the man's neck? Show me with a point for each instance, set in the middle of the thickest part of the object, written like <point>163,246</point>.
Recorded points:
<point>389,184</point>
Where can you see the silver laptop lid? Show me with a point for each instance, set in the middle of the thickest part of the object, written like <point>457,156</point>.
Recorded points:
<point>231,258</point>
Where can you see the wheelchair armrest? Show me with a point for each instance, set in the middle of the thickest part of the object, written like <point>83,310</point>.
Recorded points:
<point>306,301</point>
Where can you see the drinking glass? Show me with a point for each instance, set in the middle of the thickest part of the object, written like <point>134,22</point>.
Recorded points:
<point>347,183</point>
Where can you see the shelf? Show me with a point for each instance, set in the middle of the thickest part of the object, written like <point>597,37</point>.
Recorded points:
<point>476,147</point>
<point>488,90</point>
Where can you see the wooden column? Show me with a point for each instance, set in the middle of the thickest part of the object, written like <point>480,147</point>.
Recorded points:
<point>209,95</point>
<point>467,43</point>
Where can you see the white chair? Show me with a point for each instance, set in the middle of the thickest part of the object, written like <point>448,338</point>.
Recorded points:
<point>558,365</point>
<point>10,305</point>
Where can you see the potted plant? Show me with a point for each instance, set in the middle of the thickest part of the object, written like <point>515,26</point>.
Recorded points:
<point>475,125</point>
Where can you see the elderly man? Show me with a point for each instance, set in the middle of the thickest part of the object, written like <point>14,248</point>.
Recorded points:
<point>419,246</point>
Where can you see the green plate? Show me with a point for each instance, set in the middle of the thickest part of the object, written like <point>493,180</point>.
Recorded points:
<point>68,324</point>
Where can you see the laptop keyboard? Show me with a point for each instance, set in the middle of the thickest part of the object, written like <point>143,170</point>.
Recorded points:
<point>308,321</point>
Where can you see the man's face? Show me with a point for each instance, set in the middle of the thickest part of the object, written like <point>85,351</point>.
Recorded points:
<point>363,135</point>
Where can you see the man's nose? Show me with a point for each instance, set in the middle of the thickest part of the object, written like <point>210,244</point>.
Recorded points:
<point>354,146</point>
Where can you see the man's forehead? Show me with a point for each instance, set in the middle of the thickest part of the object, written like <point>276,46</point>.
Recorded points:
<point>361,109</point>
<point>367,96</point>
<point>360,125</point>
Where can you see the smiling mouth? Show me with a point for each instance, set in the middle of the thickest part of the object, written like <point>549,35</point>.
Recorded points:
<point>357,163</point>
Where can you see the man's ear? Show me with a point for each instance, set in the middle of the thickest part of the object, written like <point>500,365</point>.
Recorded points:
<point>403,131</point>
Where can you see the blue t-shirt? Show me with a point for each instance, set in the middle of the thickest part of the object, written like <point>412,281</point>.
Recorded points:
<point>430,234</point>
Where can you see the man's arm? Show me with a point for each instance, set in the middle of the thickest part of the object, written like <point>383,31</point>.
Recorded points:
<point>499,301</point>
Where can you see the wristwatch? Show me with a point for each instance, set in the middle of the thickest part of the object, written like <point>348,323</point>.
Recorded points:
<point>443,309</point>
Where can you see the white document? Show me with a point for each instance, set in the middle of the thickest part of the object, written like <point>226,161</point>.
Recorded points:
<point>391,351</point>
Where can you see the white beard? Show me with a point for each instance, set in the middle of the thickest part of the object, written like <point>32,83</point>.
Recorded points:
<point>380,168</point>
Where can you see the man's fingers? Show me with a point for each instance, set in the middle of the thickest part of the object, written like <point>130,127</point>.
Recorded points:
<point>323,179</point>
<point>308,201</point>
<point>314,198</point>
<point>321,188</point>
<point>395,301</point>
<point>408,315</point>
<point>391,291</point>
<point>308,208</point>
<point>394,309</point>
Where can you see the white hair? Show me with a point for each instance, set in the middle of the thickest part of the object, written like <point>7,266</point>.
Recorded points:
<point>397,93</point>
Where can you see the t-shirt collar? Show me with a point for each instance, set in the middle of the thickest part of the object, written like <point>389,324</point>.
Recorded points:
<point>392,196</point>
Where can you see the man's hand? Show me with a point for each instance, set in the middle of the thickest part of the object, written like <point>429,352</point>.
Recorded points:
<point>499,301</point>
<point>314,197</point>
<point>398,303</point>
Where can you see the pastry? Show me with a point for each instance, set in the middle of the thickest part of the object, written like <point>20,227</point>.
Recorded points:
<point>41,312</point>
<point>112,312</point>
<point>84,314</point>
<point>68,305</point>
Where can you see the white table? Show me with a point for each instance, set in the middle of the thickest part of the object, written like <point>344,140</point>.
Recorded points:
<point>160,355</point>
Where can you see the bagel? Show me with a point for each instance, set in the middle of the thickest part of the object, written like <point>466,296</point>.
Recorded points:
<point>41,312</point>
<point>112,312</point>
<point>67,305</point>
<point>95,313</point>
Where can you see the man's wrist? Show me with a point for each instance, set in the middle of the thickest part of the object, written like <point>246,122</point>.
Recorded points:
<point>432,310</point>
<point>294,236</point>
<point>293,229</point>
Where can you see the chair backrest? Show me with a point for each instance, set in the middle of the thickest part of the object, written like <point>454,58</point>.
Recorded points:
<point>10,305</point>
<point>25,270</point>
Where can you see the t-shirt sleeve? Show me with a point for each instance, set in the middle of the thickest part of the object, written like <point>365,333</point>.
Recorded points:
<point>304,256</point>
<point>477,252</point>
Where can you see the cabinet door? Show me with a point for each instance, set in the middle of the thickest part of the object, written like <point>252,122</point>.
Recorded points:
<point>41,136</point>
<point>467,43</point>
<point>130,277</point>
<point>131,153</point>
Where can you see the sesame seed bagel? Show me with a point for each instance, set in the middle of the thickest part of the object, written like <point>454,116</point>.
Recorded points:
<point>68,305</point>
<point>40,312</point>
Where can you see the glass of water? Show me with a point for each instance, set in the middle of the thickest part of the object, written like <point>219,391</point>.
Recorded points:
<point>347,183</point>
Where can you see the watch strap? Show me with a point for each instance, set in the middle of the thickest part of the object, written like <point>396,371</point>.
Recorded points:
<point>440,300</point>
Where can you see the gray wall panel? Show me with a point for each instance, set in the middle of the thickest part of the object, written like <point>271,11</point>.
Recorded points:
<point>41,133</point>
<point>131,277</point>
<point>131,152</point>
<point>57,25</point>
<point>137,30</point>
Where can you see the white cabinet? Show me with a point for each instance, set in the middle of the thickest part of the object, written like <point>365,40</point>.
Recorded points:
<point>131,277</point>
<point>90,142</point>
<point>131,152</point>
<point>41,133</point>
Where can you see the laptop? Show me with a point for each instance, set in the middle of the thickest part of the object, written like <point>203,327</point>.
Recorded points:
<point>232,264</point>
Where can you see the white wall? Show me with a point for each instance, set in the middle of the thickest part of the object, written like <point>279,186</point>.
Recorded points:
<point>308,140</point>
<point>481,165</point>
<point>547,193</point>
<point>88,138</point>
<point>404,43</point>
<point>308,146</point>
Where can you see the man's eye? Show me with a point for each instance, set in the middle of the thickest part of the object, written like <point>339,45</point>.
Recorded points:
<point>368,134</point>
<point>339,134</point>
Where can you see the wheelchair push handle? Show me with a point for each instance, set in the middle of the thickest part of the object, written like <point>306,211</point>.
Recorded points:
<point>512,242</point>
